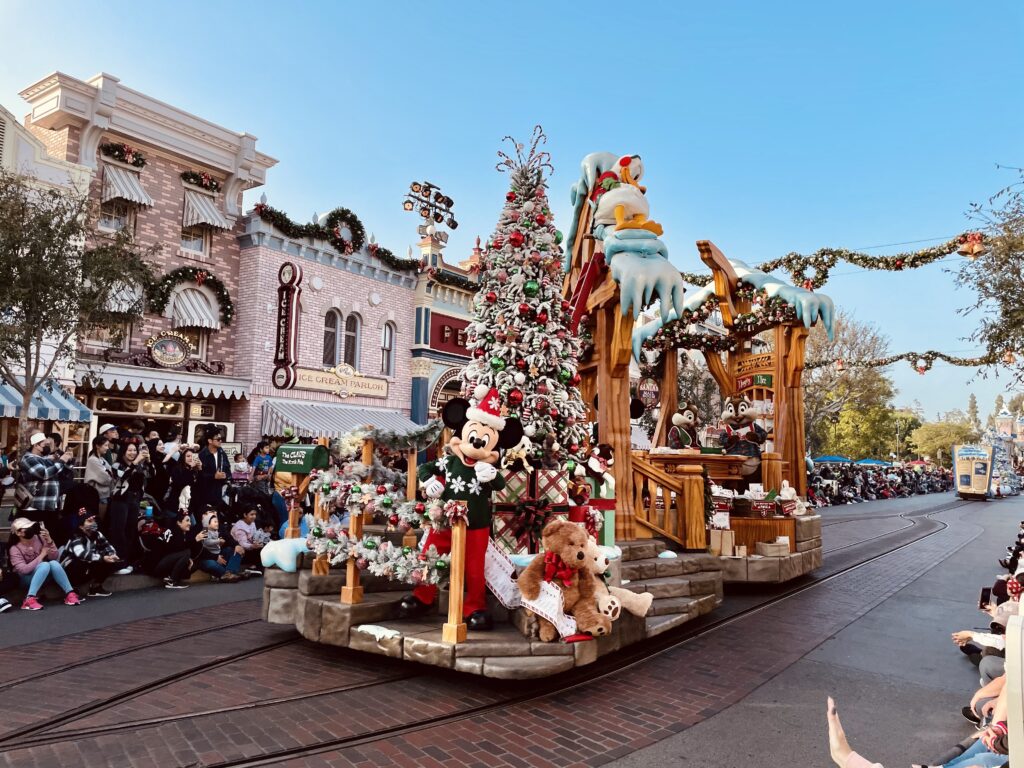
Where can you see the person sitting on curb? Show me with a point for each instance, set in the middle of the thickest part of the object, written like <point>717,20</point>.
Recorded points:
<point>88,557</point>
<point>34,558</point>
<point>216,559</point>
<point>179,551</point>
<point>247,542</point>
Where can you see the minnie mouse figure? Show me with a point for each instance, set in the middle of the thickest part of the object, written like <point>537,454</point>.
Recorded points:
<point>467,472</point>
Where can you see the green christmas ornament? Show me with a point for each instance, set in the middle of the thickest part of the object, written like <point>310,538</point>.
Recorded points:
<point>564,375</point>
<point>558,237</point>
<point>356,489</point>
<point>531,288</point>
<point>570,466</point>
<point>441,565</point>
<point>387,502</point>
<point>406,550</point>
<point>497,364</point>
<point>370,544</point>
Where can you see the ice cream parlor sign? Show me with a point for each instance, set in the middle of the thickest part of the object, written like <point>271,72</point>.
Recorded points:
<point>342,380</point>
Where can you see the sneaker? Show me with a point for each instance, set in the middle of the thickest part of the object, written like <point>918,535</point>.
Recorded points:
<point>98,592</point>
<point>5,605</point>
<point>175,585</point>
<point>31,604</point>
<point>253,572</point>
<point>229,578</point>
<point>72,599</point>
<point>125,571</point>
<point>970,715</point>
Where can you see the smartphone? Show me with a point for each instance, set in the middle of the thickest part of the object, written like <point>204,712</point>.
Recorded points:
<point>985,597</point>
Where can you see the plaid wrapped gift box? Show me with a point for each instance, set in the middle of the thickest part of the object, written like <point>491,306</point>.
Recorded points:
<point>518,487</point>
<point>517,531</point>
<point>553,486</point>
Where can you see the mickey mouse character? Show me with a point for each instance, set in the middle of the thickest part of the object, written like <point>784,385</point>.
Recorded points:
<point>467,472</point>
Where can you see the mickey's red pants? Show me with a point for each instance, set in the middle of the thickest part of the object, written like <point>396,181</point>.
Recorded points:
<point>476,553</point>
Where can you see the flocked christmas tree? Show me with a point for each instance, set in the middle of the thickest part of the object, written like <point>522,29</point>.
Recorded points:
<point>519,338</point>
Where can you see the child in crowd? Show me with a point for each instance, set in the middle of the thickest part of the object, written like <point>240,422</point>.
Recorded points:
<point>246,537</point>
<point>240,469</point>
<point>220,561</point>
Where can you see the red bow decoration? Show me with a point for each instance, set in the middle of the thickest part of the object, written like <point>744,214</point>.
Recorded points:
<point>555,567</point>
<point>1014,588</point>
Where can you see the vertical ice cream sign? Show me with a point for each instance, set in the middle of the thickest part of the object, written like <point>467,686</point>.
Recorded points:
<point>286,348</point>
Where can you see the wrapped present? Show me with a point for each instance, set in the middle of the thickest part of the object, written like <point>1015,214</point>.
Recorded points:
<point>518,487</point>
<point>787,506</point>
<point>553,487</point>
<point>762,507</point>
<point>518,531</point>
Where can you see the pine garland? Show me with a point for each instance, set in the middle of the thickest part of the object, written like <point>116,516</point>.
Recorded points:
<point>201,180</point>
<point>453,280</point>
<point>920,361</point>
<point>160,291</point>
<point>124,153</point>
<point>379,557</point>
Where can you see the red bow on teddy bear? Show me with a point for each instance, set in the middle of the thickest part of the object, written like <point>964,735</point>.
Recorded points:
<point>554,566</point>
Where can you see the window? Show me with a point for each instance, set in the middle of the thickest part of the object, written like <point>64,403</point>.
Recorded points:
<point>117,339</point>
<point>117,215</point>
<point>352,323</point>
<point>199,337</point>
<point>194,240</point>
<point>387,350</point>
<point>332,337</point>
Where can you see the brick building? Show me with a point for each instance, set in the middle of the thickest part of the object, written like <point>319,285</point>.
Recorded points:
<point>174,180</point>
<point>350,335</point>
<point>444,308</point>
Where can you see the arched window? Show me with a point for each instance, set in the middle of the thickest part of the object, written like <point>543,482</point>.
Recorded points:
<point>332,338</point>
<point>387,349</point>
<point>352,328</point>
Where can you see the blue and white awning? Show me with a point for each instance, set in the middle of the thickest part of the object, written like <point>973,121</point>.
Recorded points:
<point>51,402</point>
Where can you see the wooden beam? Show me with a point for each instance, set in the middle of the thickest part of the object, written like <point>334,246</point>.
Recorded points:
<point>668,396</point>
<point>726,279</point>
<point>454,630</point>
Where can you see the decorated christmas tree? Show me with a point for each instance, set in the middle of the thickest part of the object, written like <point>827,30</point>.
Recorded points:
<point>519,338</point>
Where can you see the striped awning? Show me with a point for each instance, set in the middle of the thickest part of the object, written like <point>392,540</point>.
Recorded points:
<point>124,184</point>
<point>127,378</point>
<point>201,209</point>
<point>192,309</point>
<point>50,402</point>
<point>312,419</point>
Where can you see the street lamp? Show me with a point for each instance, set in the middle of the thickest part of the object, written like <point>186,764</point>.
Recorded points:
<point>431,203</point>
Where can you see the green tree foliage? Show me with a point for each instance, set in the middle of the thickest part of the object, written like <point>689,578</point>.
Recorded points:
<point>60,281</point>
<point>935,439</point>
<point>848,396</point>
<point>1016,404</point>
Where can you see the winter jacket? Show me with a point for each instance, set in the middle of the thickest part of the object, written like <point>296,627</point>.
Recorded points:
<point>87,549</point>
<point>41,476</point>
<point>100,475</point>
<point>244,534</point>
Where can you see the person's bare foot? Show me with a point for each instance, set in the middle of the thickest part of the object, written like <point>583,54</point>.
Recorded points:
<point>838,747</point>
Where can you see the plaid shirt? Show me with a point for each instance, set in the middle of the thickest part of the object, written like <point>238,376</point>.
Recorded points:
<point>39,474</point>
<point>86,549</point>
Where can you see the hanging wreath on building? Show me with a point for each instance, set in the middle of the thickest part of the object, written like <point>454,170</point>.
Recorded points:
<point>201,180</point>
<point>161,290</point>
<point>123,153</point>
<point>344,218</point>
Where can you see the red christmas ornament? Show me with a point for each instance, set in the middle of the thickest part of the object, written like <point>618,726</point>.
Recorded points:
<point>565,305</point>
<point>516,239</point>
<point>573,448</point>
<point>554,413</point>
<point>393,519</point>
<point>524,308</point>
<point>496,243</point>
<point>541,219</point>
<point>381,490</point>
<point>478,352</point>
<point>575,380</point>
<point>535,257</point>
<point>491,297</point>
<point>545,344</point>
<point>515,397</point>
<point>420,507</point>
<point>899,263</point>
<point>542,317</point>
<point>510,196</point>
<point>521,364</point>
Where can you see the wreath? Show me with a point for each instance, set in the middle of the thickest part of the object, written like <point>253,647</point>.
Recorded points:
<point>344,217</point>
<point>160,291</point>
<point>201,180</point>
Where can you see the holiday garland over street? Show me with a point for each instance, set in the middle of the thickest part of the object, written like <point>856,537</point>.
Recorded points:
<point>160,293</point>
<point>519,339</point>
<point>919,361</point>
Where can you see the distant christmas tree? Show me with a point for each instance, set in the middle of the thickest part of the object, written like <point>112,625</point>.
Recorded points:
<point>520,341</point>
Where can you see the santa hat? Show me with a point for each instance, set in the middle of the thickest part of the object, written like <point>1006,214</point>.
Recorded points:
<point>488,408</point>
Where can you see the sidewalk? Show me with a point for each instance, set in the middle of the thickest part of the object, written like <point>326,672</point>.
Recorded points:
<point>898,680</point>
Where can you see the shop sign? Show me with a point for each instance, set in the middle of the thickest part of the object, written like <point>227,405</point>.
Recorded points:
<point>300,459</point>
<point>342,380</point>
<point>169,349</point>
<point>647,391</point>
<point>757,380</point>
<point>286,348</point>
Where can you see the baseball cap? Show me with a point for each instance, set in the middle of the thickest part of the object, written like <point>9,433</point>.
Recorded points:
<point>37,438</point>
<point>105,428</point>
<point>21,524</point>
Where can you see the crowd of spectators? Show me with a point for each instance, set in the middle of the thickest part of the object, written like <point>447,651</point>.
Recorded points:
<point>147,503</point>
<point>829,484</point>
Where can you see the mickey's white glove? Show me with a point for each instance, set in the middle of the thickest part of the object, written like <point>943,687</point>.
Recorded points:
<point>433,488</point>
<point>485,472</point>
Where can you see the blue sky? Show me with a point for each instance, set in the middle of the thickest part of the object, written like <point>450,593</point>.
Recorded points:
<point>765,127</point>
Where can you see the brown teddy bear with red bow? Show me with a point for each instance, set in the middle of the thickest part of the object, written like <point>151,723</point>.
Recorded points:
<point>564,564</point>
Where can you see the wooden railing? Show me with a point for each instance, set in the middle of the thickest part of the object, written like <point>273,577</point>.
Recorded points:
<point>670,505</point>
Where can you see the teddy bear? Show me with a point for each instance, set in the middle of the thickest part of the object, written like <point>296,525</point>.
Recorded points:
<point>612,600</point>
<point>564,564</point>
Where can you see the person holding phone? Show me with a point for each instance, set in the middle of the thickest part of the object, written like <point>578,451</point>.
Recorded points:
<point>88,557</point>
<point>40,479</point>
<point>183,475</point>
<point>34,558</point>
<point>132,470</point>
